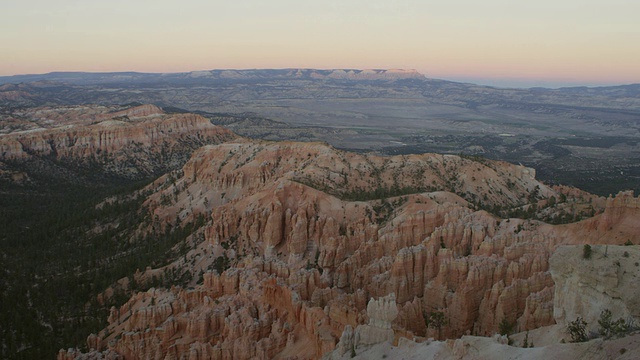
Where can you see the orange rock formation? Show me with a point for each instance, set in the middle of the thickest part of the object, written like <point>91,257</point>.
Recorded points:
<point>311,243</point>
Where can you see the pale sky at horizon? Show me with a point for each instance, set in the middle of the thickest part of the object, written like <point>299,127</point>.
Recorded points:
<point>534,43</point>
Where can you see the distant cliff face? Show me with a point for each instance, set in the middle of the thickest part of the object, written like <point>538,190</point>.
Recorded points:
<point>8,91</point>
<point>316,74</point>
<point>131,142</point>
<point>302,237</point>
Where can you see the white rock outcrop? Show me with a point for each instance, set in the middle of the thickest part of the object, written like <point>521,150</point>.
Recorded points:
<point>609,279</point>
<point>381,313</point>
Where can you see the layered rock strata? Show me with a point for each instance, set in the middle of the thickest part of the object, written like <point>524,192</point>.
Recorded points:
<point>133,142</point>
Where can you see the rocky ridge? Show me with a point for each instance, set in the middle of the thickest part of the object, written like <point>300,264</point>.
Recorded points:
<point>131,142</point>
<point>307,235</point>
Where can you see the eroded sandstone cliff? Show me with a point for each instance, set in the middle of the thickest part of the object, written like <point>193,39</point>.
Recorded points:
<point>302,236</point>
<point>584,287</point>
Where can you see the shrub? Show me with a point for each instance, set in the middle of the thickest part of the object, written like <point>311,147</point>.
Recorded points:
<point>525,343</point>
<point>552,201</point>
<point>605,324</point>
<point>506,328</point>
<point>436,320</point>
<point>609,328</point>
<point>221,263</point>
<point>586,251</point>
<point>578,330</point>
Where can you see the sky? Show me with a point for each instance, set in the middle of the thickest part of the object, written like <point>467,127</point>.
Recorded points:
<point>495,42</point>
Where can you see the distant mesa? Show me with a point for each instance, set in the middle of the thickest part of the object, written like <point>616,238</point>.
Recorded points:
<point>85,78</point>
<point>341,74</point>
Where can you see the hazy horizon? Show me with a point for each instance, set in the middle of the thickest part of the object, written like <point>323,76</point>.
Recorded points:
<point>496,42</point>
<point>493,82</point>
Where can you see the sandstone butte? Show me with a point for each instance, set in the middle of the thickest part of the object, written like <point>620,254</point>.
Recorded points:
<point>317,258</point>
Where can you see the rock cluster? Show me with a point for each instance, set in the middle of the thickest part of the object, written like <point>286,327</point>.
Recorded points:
<point>584,288</point>
<point>314,234</point>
